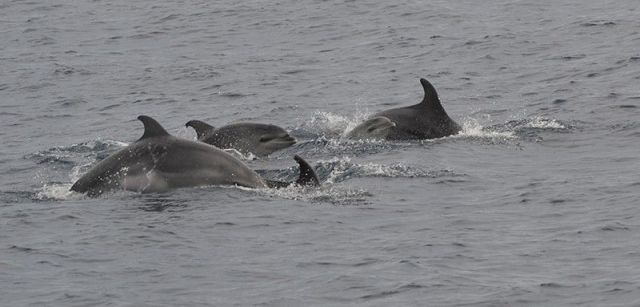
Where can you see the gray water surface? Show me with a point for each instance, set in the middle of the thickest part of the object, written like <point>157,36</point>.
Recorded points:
<point>534,203</point>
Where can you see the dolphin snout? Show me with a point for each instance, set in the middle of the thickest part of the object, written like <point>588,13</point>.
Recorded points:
<point>288,139</point>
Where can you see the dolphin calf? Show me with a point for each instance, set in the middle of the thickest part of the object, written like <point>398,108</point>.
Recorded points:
<point>159,161</point>
<point>425,120</point>
<point>374,128</point>
<point>258,139</point>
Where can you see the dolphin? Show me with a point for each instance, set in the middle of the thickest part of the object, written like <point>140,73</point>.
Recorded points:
<point>374,128</point>
<point>258,139</point>
<point>158,162</point>
<point>425,120</point>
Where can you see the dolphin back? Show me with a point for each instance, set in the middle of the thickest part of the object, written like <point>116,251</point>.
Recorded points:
<point>425,120</point>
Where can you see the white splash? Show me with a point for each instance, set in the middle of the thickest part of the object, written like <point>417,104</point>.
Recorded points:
<point>235,153</point>
<point>92,145</point>
<point>57,191</point>
<point>472,128</point>
<point>339,170</point>
<point>336,124</point>
<point>116,143</point>
<point>545,123</point>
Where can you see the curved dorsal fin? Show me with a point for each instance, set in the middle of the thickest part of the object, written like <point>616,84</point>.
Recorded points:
<point>430,99</point>
<point>307,173</point>
<point>200,127</point>
<point>151,127</point>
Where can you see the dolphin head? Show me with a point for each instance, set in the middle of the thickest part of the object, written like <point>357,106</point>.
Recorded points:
<point>374,128</point>
<point>379,124</point>
<point>272,138</point>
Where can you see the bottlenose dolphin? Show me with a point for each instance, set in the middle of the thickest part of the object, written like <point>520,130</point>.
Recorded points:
<point>255,138</point>
<point>374,128</point>
<point>425,120</point>
<point>159,161</point>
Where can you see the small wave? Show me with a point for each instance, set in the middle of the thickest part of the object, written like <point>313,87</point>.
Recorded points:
<point>614,227</point>
<point>15,196</point>
<point>91,146</point>
<point>67,156</point>
<point>70,102</point>
<point>69,70</point>
<point>598,23</point>
<point>233,94</point>
<point>552,285</point>
<point>198,73</point>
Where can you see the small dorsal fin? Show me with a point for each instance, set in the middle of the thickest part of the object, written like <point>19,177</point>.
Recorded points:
<point>307,173</point>
<point>430,95</point>
<point>200,127</point>
<point>151,127</point>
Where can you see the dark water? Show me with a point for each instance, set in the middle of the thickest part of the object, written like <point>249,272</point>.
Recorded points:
<point>534,203</point>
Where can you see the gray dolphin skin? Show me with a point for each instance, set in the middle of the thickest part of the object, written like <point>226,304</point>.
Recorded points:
<point>425,120</point>
<point>376,128</point>
<point>258,139</point>
<point>159,161</point>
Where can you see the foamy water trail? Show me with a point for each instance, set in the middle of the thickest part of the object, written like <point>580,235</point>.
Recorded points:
<point>341,169</point>
<point>326,193</point>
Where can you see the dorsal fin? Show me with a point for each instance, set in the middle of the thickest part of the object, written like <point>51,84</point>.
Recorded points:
<point>307,173</point>
<point>430,99</point>
<point>151,127</point>
<point>200,127</point>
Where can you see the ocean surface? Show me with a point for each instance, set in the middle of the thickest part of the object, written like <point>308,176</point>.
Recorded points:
<point>535,203</point>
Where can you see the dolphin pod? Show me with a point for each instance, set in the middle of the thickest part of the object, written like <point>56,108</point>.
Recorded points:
<point>258,139</point>
<point>159,161</point>
<point>425,120</point>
